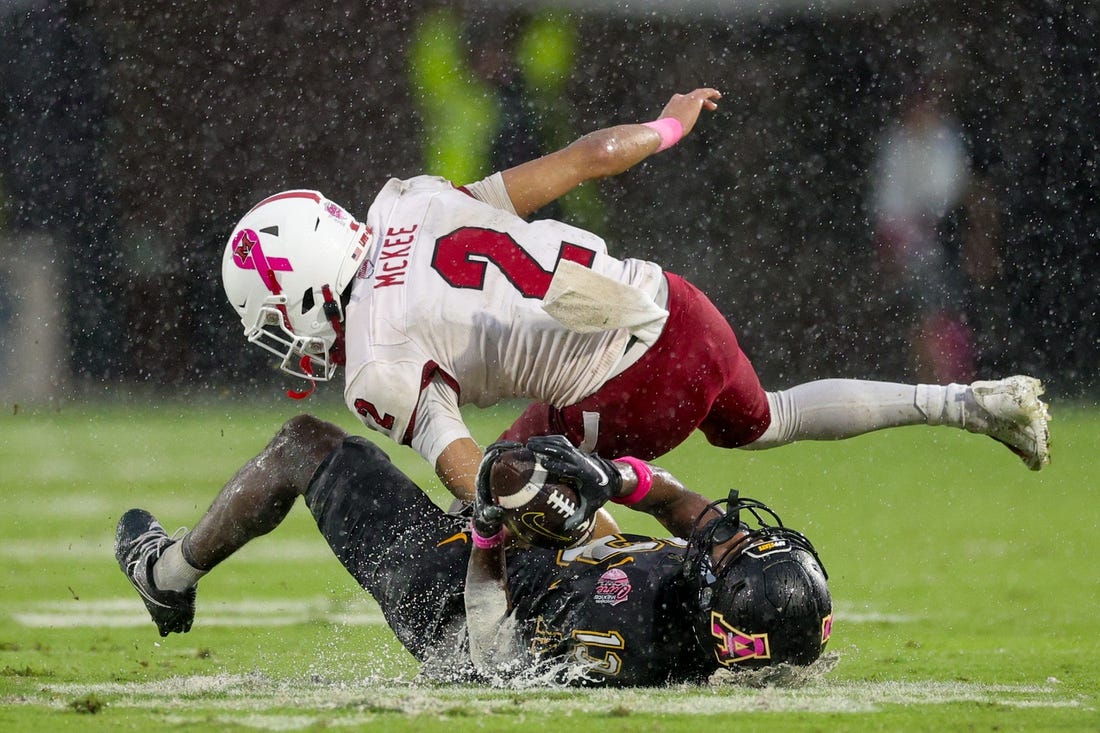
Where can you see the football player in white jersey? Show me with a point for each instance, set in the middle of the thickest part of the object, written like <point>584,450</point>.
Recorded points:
<point>445,295</point>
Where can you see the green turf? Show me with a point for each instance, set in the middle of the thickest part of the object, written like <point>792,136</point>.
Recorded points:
<point>966,589</point>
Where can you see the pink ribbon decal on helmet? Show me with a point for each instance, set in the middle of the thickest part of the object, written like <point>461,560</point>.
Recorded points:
<point>248,254</point>
<point>734,645</point>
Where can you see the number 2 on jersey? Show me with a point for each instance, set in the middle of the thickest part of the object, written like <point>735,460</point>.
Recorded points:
<point>463,256</point>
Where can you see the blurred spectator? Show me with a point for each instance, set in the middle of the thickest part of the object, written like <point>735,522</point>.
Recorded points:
<point>492,91</point>
<point>457,108</point>
<point>936,232</point>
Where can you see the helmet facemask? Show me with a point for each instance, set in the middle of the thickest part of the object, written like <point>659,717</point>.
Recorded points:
<point>302,356</point>
<point>759,588</point>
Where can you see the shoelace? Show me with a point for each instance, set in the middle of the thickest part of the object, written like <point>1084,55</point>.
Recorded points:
<point>151,540</point>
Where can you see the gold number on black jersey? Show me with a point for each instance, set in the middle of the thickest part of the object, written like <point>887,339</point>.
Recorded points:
<point>598,651</point>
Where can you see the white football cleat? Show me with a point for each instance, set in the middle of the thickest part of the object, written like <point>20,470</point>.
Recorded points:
<point>1010,411</point>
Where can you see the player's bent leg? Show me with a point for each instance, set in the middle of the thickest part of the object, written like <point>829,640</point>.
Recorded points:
<point>165,570</point>
<point>259,496</point>
<point>399,546</point>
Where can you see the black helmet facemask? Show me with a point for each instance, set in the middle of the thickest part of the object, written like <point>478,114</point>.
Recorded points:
<point>765,599</point>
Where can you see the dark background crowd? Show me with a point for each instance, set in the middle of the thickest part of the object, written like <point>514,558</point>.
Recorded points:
<point>134,135</point>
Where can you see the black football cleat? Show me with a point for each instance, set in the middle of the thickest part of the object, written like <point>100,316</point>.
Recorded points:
<point>139,541</point>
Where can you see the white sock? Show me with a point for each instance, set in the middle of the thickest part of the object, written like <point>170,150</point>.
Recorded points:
<point>943,405</point>
<point>834,409</point>
<point>172,571</point>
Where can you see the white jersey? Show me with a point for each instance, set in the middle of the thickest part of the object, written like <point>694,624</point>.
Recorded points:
<point>453,295</point>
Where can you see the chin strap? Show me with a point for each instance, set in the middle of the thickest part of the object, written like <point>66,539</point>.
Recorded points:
<point>306,365</point>
<point>332,312</point>
<point>335,353</point>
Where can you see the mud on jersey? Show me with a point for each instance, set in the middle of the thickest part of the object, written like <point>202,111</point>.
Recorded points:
<point>618,607</point>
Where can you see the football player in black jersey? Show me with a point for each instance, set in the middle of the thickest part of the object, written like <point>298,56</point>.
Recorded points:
<point>732,587</point>
<point>742,590</point>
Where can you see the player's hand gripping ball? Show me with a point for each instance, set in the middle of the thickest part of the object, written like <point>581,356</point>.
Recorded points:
<point>535,508</point>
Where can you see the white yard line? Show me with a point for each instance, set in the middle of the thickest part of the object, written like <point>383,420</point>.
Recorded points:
<point>128,612</point>
<point>268,548</point>
<point>257,695</point>
<point>358,610</point>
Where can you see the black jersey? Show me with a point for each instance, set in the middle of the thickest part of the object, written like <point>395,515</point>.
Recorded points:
<point>618,607</point>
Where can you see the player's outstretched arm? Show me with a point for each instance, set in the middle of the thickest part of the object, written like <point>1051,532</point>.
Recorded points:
<point>603,153</point>
<point>672,504</point>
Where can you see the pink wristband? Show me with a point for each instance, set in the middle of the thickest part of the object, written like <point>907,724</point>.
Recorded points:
<point>645,481</point>
<point>670,130</point>
<point>486,543</point>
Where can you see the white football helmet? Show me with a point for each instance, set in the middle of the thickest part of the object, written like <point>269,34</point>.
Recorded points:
<point>285,269</point>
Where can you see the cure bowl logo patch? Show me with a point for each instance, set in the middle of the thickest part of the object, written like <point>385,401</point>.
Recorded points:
<point>335,211</point>
<point>735,646</point>
<point>612,588</point>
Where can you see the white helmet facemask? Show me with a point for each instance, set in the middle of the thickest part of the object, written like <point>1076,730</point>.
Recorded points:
<point>285,268</point>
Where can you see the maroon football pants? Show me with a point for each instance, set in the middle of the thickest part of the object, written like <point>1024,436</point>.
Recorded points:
<point>694,376</point>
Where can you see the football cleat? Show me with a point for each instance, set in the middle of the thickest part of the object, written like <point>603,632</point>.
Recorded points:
<point>139,541</point>
<point>1010,411</point>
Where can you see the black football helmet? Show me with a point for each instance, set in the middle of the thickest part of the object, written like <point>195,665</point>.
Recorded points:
<point>764,600</point>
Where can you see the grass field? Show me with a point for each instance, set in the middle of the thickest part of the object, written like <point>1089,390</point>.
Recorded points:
<point>967,590</point>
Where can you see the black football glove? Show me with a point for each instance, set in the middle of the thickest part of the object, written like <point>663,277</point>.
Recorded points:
<point>488,516</point>
<point>596,479</point>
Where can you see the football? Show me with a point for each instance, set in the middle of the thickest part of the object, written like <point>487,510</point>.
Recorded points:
<point>535,510</point>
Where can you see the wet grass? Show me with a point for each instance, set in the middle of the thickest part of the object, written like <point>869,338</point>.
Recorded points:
<point>966,589</point>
